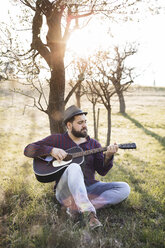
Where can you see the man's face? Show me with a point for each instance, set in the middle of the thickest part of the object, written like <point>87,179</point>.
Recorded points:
<point>79,126</point>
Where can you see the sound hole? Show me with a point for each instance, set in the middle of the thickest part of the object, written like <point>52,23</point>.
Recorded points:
<point>68,157</point>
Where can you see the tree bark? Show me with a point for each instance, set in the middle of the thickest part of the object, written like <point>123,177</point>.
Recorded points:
<point>94,120</point>
<point>109,125</point>
<point>56,103</point>
<point>78,96</point>
<point>121,102</point>
<point>56,98</point>
<point>97,126</point>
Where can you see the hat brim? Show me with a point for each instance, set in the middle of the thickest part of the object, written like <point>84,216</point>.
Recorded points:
<point>75,114</point>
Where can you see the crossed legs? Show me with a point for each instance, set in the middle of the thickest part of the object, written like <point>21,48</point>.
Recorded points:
<point>72,192</point>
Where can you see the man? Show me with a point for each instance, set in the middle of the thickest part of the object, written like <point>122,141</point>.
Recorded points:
<point>77,190</point>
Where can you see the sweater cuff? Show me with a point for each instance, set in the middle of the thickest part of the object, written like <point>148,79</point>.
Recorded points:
<point>108,161</point>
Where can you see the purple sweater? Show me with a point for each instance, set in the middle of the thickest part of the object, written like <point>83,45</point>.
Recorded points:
<point>93,163</point>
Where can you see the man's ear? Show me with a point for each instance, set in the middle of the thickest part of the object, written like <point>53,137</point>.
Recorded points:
<point>69,125</point>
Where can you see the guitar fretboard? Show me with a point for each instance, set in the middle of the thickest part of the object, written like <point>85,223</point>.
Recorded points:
<point>102,149</point>
<point>88,152</point>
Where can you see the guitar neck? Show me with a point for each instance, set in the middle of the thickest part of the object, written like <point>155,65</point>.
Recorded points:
<point>88,152</point>
<point>102,149</point>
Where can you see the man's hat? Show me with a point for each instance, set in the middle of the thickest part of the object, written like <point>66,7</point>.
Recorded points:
<point>72,111</point>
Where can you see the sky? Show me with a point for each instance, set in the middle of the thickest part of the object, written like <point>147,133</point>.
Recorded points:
<point>149,34</point>
<point>149,59</point>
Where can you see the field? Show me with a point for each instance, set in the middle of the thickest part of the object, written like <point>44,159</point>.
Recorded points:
<point>30,216</point>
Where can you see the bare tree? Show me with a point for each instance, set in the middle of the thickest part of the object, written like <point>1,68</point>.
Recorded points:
<point>123,77</point>
<point>112,64</point>
<point>93,97</point>
<point>79,70</point>
<point>102,88</point>
<point>59,16</point>
<point>7,61</point>
<point>61,19</point>
<point>109,75</point>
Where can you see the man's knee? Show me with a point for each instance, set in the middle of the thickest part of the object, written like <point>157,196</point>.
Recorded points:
<point>74,168</point>
<point>125,190</point>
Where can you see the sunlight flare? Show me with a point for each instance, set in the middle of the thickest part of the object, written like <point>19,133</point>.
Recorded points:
<point>84,42</point>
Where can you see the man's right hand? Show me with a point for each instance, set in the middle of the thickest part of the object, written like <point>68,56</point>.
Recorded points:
<point>58,153</point>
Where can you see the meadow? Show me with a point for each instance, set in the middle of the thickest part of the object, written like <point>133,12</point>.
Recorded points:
<point>30,216</point>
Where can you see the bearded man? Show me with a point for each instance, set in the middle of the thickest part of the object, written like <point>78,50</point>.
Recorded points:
<point>76,188</point>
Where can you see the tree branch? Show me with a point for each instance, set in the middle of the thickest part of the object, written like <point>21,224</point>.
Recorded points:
<point>80,16</point>
<point>43,94</point>
<point>36,42</point>
<point>34,100</point>
<point>25,2</point>
<point>73,90</point>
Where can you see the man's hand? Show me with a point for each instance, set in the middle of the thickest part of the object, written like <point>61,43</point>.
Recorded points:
<point>58,153</point>
<point>111,150</point>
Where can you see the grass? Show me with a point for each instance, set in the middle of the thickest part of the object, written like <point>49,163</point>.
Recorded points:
<point>31,217</point>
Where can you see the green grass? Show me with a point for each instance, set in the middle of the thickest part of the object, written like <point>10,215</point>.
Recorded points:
<point>31,217</point>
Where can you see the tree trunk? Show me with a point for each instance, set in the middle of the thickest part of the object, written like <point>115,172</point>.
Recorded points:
<point>109,125</point>
<point>56,97</point>
<point>78,96</point>
<point>97,126</point>
<point>94,120</point>
<point>121,103</point>
<point>57,47</point>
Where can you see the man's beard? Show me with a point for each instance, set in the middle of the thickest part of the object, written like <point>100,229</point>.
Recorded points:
<point>79,134</point>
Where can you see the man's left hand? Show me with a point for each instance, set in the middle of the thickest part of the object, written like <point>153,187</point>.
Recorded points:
<point>111,150</point>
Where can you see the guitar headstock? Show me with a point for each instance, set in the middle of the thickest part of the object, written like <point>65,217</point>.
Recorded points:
<point>127,146</point>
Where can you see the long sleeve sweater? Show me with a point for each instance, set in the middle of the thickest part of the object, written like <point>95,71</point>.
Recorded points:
<point>93,163</point>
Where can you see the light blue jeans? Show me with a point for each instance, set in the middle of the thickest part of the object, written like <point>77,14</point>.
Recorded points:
<point>72,192</point>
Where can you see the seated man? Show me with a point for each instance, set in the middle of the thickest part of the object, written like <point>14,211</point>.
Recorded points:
<point>77,189</point>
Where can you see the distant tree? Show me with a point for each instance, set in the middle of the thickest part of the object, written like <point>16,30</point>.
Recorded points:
<point>104,91</point>
<point>93,97</point>
<point>7,59</point>
<point>109,75</point>
<point>78,70</point>
<point>102,87</point>
<point>113,65</point>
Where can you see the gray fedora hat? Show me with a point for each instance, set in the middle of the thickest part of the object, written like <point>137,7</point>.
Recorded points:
<point>72,111</point>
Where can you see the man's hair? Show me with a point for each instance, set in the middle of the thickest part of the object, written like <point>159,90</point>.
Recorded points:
<point>70,120</point>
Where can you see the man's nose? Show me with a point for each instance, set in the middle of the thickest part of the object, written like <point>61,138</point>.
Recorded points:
<point>84,125</point>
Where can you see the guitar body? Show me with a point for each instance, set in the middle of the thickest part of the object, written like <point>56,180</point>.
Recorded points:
<point>46,172</point>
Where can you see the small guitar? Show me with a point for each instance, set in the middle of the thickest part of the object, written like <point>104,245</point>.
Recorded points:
<point>49,169</point>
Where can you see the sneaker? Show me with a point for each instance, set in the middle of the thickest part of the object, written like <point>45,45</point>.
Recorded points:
<point>93,221</point>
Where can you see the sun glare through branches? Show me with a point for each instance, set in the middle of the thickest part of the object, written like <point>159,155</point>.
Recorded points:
<point>84,42</point>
